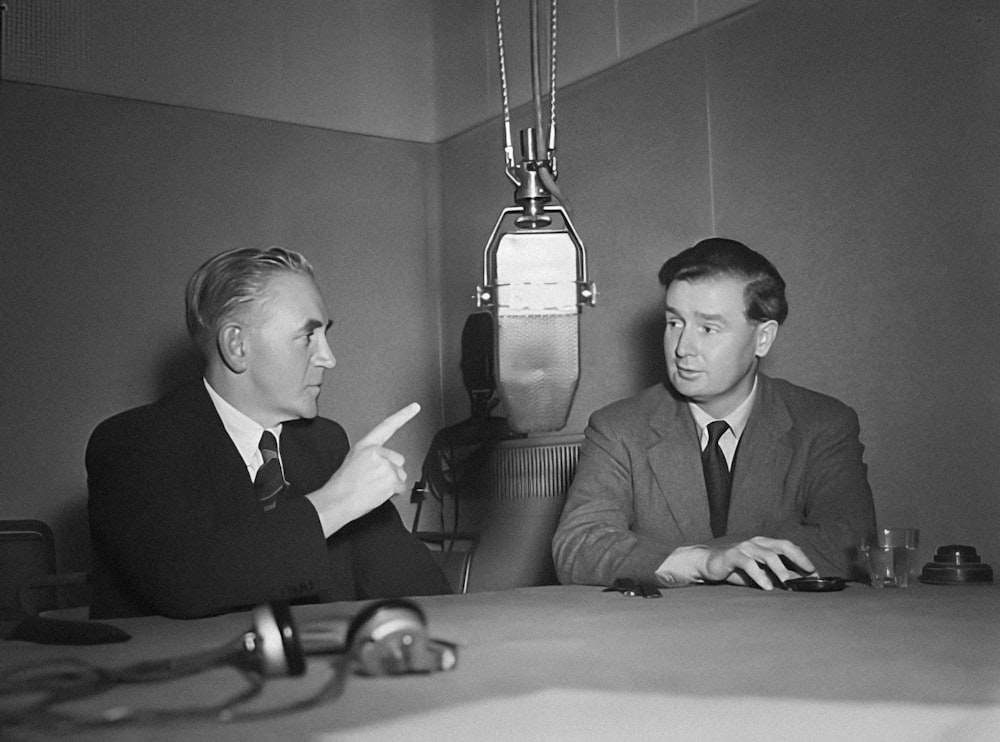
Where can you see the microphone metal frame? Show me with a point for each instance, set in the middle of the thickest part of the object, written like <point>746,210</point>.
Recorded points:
<point>487,292</point>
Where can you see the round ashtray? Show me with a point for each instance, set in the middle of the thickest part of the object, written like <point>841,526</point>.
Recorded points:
<point>956,564</point>
<point>816,584</point>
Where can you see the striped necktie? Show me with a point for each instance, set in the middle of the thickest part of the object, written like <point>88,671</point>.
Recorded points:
<point>269,480</point>
<point>717,477</point>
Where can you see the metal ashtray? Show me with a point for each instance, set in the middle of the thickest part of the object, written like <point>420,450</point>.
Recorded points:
<point>956,564</point>
<point>816,584</point>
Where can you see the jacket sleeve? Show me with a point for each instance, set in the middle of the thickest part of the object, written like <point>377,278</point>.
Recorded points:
<point>597,539</point>
<point>389,561</point>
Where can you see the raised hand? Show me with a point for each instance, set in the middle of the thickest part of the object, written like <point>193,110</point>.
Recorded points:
<point>370,475</point>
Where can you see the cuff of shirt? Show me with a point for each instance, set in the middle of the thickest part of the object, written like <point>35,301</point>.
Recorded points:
<point>681,567</point>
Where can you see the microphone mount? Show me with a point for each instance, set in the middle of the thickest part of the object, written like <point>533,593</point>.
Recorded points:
<point>530,191</point>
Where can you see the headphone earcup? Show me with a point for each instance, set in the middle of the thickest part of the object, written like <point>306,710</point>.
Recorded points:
<point>385,637</point>
<point>273,648</point>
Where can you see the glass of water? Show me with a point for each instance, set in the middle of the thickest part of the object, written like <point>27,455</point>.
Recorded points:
<point>891,556</point>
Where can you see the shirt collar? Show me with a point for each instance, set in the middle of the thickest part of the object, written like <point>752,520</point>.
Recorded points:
<point>244,432</point>
<point>737,419</point>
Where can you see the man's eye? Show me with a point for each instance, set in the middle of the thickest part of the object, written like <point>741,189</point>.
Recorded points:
<point>673,322</point>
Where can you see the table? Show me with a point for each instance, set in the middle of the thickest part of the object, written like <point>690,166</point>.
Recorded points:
<point>700,663</point>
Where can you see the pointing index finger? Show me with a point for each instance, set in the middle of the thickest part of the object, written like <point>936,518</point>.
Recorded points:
<point>382,432</point>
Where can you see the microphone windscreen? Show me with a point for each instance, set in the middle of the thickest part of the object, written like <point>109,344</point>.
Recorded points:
<point>539,368</point>
<point>538,328</point>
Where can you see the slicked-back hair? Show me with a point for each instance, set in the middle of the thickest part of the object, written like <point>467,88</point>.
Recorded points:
<point>764,293</point>
<point>227,285</point>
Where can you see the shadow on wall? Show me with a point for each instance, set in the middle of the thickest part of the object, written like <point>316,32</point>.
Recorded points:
<point>72,534</point>
<point>646,338</point>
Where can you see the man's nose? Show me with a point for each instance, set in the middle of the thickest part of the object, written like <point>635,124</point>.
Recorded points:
<point>684,343</point>
<point>324,356</point>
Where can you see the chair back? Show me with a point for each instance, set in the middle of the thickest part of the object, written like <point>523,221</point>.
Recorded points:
<point>27,552</point>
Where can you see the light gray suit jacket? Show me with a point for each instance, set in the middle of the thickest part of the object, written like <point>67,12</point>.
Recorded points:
<point>639,490</point>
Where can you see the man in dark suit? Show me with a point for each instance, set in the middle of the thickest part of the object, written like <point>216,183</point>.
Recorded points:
<point>192,513</point>
<point>778,492</point>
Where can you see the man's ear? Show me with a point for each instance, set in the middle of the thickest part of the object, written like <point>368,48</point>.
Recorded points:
<point>231,342</point>
<point>766,333</point>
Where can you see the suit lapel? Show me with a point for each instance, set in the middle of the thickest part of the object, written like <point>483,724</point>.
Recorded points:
<point>216,452</point>
<point>762,460</point>
<point>676,464</point>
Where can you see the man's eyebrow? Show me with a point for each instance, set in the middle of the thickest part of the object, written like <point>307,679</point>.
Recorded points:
<point>312,325</point>
<point>700,315</point>
<point>711,317</point>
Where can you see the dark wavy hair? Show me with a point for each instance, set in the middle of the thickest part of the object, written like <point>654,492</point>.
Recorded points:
<point>225,285</point>
<point>764,292</point>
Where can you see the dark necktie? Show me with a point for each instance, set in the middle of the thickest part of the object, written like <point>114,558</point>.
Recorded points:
<point>717,477</point>
<point>269,480</point>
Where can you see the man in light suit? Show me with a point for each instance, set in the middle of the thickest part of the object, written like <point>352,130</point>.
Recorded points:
<point>179,527</point>
<point>796,497</point>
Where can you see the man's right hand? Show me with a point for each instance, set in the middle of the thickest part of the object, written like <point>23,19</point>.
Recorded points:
<point>370,475</point>
<point>754,562</point>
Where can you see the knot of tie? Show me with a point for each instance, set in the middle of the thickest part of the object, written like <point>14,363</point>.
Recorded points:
<point>717,477</point>
<point>716,429</point>
<point>269,480</point>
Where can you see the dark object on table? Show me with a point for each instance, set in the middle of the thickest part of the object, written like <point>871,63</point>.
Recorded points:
<point>816,584</point>
<point>634,588</point>
<point>956,564</point>
<point>43,630</point>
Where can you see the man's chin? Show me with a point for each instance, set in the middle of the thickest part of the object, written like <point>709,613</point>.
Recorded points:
<point>307,411</point>
<point>683,387</point>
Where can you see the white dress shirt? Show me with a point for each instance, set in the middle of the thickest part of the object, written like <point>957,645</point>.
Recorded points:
<point>244,432</point>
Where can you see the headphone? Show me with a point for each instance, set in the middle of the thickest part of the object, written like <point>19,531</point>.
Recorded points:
<point>388,637</point>
<point>272,647</point>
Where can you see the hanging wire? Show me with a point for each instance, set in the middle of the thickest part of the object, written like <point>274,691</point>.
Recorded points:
<point>536,71</point>
<point>552,90</point>
<point>550,140</point>
<point>550,171</point>
<point>508,145</point>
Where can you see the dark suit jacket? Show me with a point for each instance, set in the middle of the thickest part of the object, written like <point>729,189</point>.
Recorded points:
<point>177,529</point>
<point>639,490</point>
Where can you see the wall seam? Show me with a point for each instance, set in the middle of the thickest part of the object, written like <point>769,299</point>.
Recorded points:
<point>708,137</point>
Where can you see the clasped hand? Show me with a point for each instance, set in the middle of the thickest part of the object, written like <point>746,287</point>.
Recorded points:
<point>369,475</point>
<point>757,561</point>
